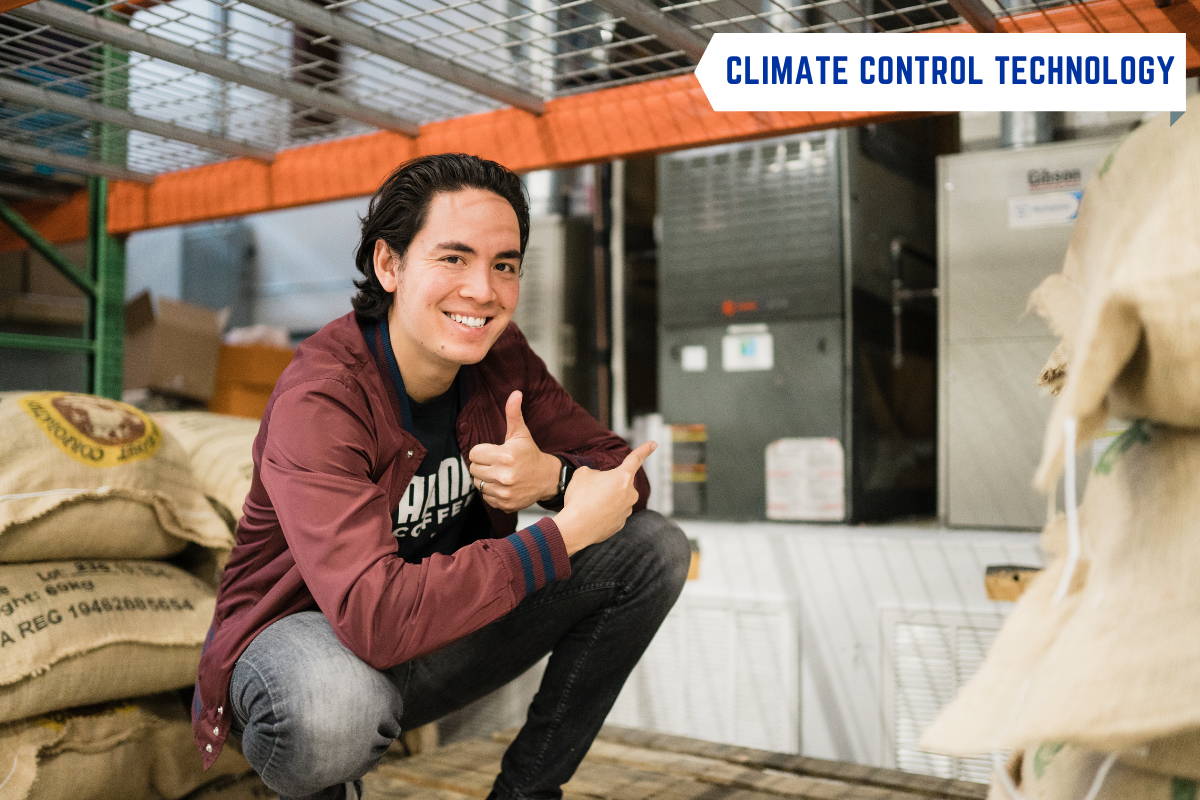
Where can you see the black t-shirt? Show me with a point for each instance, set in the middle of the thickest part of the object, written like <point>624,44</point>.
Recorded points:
<point>439,503</point>
<point>438,512</point>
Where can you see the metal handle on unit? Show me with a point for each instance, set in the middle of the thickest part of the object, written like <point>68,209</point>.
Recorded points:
<point>899,249</point>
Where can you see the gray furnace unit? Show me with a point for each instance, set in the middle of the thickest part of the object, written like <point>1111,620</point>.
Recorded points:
<point>782,262</point>
<point>1004,218</point>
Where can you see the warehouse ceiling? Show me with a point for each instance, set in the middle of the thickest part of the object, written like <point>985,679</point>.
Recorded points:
<point>192,82</point>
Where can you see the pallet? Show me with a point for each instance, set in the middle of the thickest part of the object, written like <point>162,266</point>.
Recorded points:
<point>626,764</point>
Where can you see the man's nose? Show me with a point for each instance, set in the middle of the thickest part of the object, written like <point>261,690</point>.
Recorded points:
<point>477,283</point>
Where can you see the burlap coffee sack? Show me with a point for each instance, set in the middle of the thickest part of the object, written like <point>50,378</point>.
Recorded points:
<point>74,633</point>
<point>1112,664</point>
<point>1127,303</point>
<point>86,477</point>
<point>1060,771</point>
<point>1101,235</point>
<point>219,450</point>
<point>1177,755</point>
<point>132,750</point>
<point>1059,299</point>
<point>206,564</point>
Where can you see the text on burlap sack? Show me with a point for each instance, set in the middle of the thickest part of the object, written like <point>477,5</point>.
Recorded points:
<point>77,580</point>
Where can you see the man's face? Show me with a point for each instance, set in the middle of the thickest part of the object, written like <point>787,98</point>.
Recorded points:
<point>457,287</point>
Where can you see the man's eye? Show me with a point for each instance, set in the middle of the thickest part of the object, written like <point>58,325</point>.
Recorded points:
<point>456,260</point>
<point>509,268</point>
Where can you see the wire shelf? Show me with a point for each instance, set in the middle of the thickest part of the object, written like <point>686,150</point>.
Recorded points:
<point>544,49</point>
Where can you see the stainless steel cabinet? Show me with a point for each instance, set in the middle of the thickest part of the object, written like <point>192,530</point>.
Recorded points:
<point>1004,222</point>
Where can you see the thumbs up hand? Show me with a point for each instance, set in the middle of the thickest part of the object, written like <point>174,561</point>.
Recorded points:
<point>515,474</point>
<point>598,502</point>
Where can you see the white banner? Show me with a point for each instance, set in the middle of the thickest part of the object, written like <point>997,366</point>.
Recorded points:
<point>945,72</point>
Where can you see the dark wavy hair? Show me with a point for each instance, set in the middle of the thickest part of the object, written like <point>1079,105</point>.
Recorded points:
<point>398,209</point>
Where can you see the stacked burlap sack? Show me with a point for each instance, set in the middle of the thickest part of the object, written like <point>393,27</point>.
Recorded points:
<point>99,634</point>
<point>1093,679</point>
<point>219,449</point>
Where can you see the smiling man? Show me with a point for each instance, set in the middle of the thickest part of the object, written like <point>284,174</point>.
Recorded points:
<point>379,580</point>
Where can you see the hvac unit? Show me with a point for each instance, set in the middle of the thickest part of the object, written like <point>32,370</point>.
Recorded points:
<point>218,267</point>
<point>501,710</point>
<point>554,311</point>
<point>1004,221</point>
<point>724,668</point>
<point>928,654</point>
<point>781,262</point>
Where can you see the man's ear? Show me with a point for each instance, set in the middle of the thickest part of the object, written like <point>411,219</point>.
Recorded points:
<point>387,265</point>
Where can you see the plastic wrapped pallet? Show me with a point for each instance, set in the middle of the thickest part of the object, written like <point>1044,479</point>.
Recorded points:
<point>131,750</point>
<point>75,633</point>
<point>87,477</point>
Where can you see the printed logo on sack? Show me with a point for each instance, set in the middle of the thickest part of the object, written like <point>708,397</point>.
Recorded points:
<point>94,430</point>
<point>1138,432</point>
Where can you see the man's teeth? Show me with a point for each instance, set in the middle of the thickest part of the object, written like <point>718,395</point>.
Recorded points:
<point>470,322</point>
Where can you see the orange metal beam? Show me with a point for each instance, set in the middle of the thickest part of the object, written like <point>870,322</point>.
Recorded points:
<point>648,117</point>
<point>62,223</point>
<point>9,5</point>
<point>1117,16</point>
<point>641,118</point>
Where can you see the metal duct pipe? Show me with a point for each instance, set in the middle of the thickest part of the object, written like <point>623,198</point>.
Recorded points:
<point>1025,128</point>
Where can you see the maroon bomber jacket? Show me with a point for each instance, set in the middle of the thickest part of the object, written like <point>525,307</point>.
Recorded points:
<point>331,461</point>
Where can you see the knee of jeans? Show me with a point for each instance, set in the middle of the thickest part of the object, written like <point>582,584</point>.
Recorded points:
<point>334,743</point>
<point>327,732</point>
<point>333,754</point>
<point>664,545</point>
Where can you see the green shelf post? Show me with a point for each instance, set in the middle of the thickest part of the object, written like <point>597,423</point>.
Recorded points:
<point>107,320</point>
<point>107,252</point>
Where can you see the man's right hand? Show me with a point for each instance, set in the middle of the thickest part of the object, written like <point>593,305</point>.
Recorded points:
<point>598,502</point>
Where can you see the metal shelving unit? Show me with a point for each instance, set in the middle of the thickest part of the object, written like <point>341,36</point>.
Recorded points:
<point>184,110</point>
<point>102,280</point>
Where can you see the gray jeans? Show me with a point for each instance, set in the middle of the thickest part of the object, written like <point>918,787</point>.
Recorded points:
<point>312,715</point>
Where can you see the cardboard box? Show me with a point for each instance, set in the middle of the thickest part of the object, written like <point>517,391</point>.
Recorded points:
<point>12,274</point>
<point>171,346</point>
<point>43,309</point>
<point>246,375</point>
<point>38,297</point>
<point>42,277</point>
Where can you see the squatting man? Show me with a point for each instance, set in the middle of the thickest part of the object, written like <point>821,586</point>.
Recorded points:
<point>378,580</point>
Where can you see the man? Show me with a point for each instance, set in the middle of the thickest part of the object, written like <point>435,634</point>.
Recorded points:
<point>378,581</point>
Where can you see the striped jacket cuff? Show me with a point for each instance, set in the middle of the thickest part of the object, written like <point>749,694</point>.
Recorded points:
<point>535,555</point>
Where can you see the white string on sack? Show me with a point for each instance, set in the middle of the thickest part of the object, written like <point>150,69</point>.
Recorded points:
<point>52,492</point>
<point>1101,774</point>
<point>1074,551</point>
<point>1074,545</point>
<point>8,777</point>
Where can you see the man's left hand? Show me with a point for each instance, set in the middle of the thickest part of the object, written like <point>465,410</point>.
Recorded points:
<point>516,474</point>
